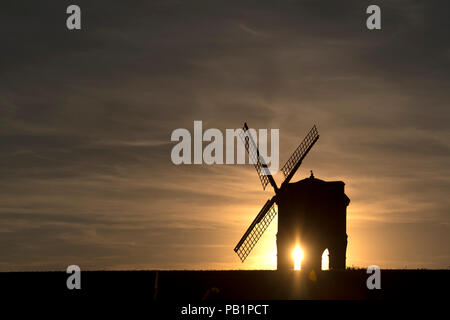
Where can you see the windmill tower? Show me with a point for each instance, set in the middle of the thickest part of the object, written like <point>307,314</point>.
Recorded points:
<point>312,212</point>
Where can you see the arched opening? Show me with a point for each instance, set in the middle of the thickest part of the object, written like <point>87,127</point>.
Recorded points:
<point>297,255</point>
<point>325,260</point>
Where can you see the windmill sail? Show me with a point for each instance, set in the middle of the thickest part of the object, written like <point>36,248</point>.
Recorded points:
<point>258,161</point>
<point>269,211</point>
<point>299,154</point>
<point>256,229</point>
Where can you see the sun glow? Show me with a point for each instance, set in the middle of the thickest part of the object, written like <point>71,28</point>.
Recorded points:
<point>297,254</point>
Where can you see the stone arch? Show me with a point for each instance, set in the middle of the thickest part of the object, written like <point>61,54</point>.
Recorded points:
<point>325,259</point>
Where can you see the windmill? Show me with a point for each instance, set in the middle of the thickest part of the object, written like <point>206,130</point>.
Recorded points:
<point>312,211</point>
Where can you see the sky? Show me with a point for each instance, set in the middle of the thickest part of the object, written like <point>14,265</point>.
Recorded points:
<point>86,118</point>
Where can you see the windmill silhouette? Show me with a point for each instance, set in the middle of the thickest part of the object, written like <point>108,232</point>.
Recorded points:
<point>312,212</point>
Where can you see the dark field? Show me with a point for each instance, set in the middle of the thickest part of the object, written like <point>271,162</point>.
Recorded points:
<point>229,285</point>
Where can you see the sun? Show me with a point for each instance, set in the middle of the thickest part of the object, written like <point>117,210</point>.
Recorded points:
<point>297,254</point>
